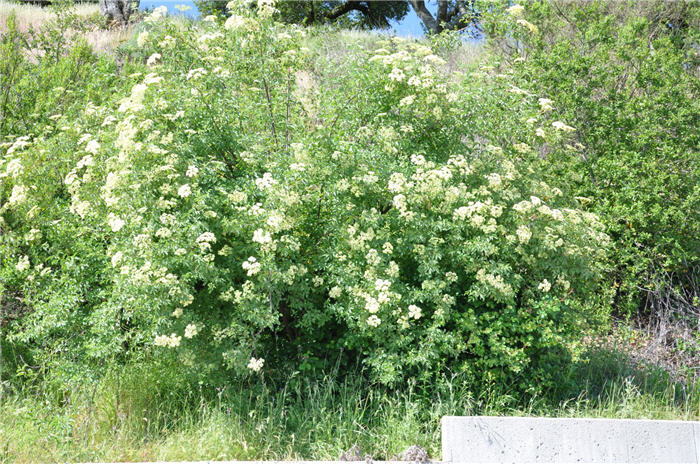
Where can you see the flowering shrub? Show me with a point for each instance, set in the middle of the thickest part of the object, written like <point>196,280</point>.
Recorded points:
<point>229,211</point>
<point>625,80</point>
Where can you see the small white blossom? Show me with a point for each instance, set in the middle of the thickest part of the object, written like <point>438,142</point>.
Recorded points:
<point>18,195</point>
<point>14,167</point>
<point>206,237</point>
<point>335,292</point>
<point>93,147</point>
<point>516,10</point>
<point>396,75</point>
<point>372,305</point>
<point>116,258</point>
<point>415,312</point>
<point>387,248</point>
<point>190,330</point>
<point>265,181</point>
<point>494,180</point>
<point>545,104</point>
<point>23,264</point>
<point>373,321</point>
<point>524,234</point>
<point>142,39</point>
<point>163,232</point>
<point>187,300</point>
<point>196,73</point>
<point>382,285</point>
<point>171,341</point>
<point>406,101</point>
<point>527,24</point>
<point>274,221</point>
<point>252,266</point>
<point>261,236</point>
<point>153,59</point>
<point>33,235</point>
<point>192,171</point>
<point>115,222</point>
<point>256,364</point>
<point>234,22</point>
<point>562,127</point>
<point>184,191</point>
<point>418,160</point>
<point>86,160</point>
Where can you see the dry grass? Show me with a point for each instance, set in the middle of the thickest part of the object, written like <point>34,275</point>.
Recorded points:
<point>33,17</point>
<point>106,40</point>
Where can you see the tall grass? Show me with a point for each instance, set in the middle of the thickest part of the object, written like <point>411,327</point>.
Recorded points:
<point>33,17</point>
<point>139,413</point>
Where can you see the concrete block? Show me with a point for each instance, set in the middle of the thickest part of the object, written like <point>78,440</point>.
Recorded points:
<point>532,439</point>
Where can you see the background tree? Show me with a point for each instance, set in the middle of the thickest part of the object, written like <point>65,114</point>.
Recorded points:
<point>350,13</point>
<point>451,14</point>
<point>118,10</point>
<point>365,14</point>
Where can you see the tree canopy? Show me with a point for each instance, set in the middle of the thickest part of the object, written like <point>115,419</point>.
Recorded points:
<point>449,15</point>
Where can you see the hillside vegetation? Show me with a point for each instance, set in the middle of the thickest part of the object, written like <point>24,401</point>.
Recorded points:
<point>234,238</point>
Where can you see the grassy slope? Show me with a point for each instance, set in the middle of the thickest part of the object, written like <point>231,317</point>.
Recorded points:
<point>137,415</point>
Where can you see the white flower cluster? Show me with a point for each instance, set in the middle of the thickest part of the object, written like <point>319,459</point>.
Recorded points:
<point>23,264</point>
<point>190,330</point>
<point>115,222</point>
<point>19,144</point>
<point>266,181</point>
<point>545,104</point>
<point>414,312</point>
<point>18,195</point>
<point>172,341</point>
<point>14,168</point>
<point>205,240</point>
<point>252,266</point>
<point>262,237</point>
<point>256,364</point>
<point>184,191</point>
<point>192,171</point>
<point>558,125</point>
<point>495,282</point>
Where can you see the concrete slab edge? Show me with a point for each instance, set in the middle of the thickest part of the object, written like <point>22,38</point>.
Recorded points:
<point>481,439</point>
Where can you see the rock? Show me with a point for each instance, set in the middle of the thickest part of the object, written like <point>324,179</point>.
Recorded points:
<point>353,454</point>
<point>413,453</point>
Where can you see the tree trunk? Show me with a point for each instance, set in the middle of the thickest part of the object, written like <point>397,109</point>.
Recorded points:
<point>450,15</point>
<point>430,23</point>
<point>118,10</point>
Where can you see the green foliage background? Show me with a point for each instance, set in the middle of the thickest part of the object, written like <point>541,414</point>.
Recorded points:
<point>626,76</point>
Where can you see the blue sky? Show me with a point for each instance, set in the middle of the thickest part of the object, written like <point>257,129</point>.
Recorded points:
<point>409,26</point>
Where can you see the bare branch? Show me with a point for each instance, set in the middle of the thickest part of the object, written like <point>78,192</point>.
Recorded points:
<point>424,15</point>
